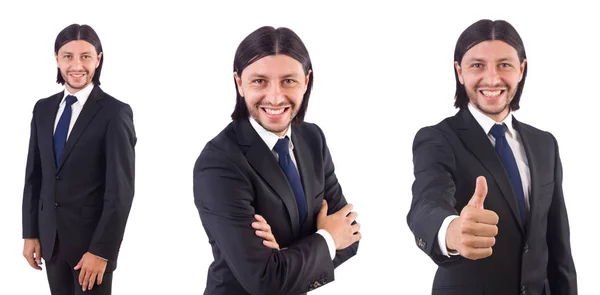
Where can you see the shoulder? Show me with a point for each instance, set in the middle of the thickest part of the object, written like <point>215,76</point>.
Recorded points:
<point>310,131</point>
<point>222,148</point>
<point>48,101</point>
<point>442,130</point>
<point>536,135</point>
<point>109,102</point>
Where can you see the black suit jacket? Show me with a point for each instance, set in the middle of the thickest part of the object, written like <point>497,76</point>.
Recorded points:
<point>87,198</point>
<point>527,258</point>
<point>236,176</point>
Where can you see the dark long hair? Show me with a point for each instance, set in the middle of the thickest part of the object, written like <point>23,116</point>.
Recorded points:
<point>488,30</point>
<point>267,41</point>
<point>76,32</point>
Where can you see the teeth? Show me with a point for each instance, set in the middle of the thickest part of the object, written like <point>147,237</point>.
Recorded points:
<point>274,112</point>
<point>491,93</point>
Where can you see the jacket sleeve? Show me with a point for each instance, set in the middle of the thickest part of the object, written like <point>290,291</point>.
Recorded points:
<point>561,269</point>
<point>119,190</point>
<point>433,191</point>
<point>335,200</point>
<point>33,183</point>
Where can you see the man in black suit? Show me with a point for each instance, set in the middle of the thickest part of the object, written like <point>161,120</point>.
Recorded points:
<point>269,162</point>
<point>79,180</point>
<point>488,205</point>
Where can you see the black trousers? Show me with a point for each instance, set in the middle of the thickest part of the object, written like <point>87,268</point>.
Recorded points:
<point>64,280</point>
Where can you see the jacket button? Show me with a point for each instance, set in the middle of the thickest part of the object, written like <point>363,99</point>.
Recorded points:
<point>56,205</point>
<point>523,290</point>
<point>526,248</point>
<point>57,178</point>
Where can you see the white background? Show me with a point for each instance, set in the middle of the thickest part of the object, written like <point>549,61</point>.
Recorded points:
<point>382,71</point>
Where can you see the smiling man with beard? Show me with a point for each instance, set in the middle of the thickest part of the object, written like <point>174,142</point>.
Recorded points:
<point>270,165</point>
<point>488,204</point>
<point>79,180</point>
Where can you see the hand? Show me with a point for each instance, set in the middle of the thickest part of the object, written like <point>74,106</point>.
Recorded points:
<point>473,233</point>
<point>92,270</point>
<point>33,253</point>
<point>263,230</point>
<point>339,225</point>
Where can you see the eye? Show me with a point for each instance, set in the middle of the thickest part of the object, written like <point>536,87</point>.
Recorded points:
<point>477,65</point>
<point>67,56</point>
<point>258,81</point>
<point>504,65</point>
<point>289,81</point>
<point>87,56</point>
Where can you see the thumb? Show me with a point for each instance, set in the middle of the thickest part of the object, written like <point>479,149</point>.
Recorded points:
<point>323,211</point>
<point>38,254</point>
<point>481,191</point>
<point>79,265</point>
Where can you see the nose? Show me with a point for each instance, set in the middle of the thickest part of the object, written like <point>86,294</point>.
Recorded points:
<point>76,64</point>
<point>491,76</point>
<point>275,94</point>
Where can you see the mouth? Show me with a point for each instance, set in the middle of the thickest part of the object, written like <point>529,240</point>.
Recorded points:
<point>77,75</point>
<point>275,112</point>
<point>492,93</point>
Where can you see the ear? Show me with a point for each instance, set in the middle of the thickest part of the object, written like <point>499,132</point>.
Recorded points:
<point>56,57</point>
<point>522,69</point>
<point>238,82</point>
<point>99,59</point>
<point>459,72</point>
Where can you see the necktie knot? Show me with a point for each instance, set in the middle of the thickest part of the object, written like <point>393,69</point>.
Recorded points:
<point>282,147</point>
<point>498,130</point>
<point>70,100</point>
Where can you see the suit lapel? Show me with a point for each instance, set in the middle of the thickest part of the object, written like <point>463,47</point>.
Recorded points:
<point>305,161</point>
<point>88,112</point>
<point>263,161</point>
<point>531,152</point>
<point>476,141</point>
<point>47,120</point>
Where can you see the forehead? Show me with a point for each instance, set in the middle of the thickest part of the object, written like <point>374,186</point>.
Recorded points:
<point>491,50</point>
<point>274,65</point>
<point>77,46</point>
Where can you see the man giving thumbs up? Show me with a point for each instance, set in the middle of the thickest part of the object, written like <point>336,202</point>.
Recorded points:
<point>487,204</point>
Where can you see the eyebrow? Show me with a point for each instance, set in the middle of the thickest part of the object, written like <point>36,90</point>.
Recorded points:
<point>504,59</point>
<point>263,76</point>
<point>67,52</point>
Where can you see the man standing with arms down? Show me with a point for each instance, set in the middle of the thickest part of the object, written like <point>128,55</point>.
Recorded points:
<point>79,180</point>
<point>488,205</point>
<point>268,161</point>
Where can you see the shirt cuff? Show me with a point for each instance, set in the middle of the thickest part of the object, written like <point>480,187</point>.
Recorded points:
<point>329,241</point>
<point>442,236</point>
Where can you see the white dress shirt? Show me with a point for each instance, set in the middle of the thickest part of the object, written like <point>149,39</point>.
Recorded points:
<point>516,145</point>
<point>82,96</point>
<point>270,140</point>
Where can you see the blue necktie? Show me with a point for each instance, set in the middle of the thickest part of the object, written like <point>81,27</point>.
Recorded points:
<point>282,148</point>
<point>62,128</point>
<point>510,164</point>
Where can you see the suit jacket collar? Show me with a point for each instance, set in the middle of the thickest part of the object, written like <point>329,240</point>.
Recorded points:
<point>90,108</point>
<point>476,141</point>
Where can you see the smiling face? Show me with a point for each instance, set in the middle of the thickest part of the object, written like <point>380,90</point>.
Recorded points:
<point>490,72</point>
<point>273,88</point>
<point>77,62</point>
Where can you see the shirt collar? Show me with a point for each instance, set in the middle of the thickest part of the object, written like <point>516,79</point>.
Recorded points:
<point>487,123</point>
<point>269,137</point>
<point>82,95</point>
